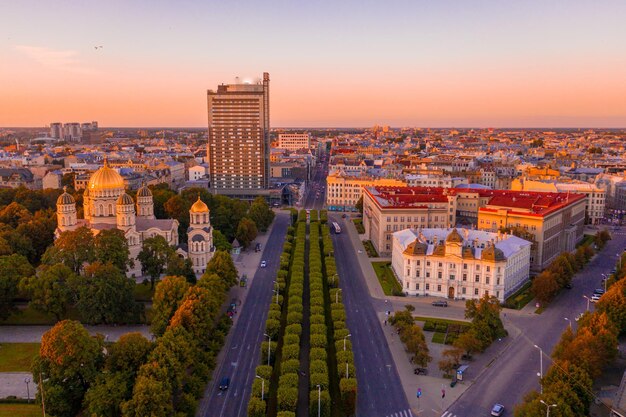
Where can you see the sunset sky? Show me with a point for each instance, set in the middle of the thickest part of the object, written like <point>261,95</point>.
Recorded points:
<point>430,63</point>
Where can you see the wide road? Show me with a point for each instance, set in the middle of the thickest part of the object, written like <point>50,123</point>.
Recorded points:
<point>380,392</point>
<point>514,373</point>
<point>316,189</point>
<point>242,346</point>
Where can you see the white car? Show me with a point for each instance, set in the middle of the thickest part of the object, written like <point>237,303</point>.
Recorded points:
<point>263,264</point>
<point>595,297</point>
<point>497,410</point>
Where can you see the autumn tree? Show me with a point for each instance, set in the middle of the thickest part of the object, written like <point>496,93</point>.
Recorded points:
<point>468,342</point>
<point>223,266</point>
<point>69,361</point>
<point>105,296</point>
<point>613,303</point>
<point>180,266</point>
<point>154,255</point>
<point>485,316</point>
<point>73,248</point>
<point>545,287</point>
<point>167,297</point>
<point>12,269</point>
<point>110,245</point>
<point>50,290</point>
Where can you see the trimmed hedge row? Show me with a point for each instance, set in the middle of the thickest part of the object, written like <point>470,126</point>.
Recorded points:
<point>344,359</point>
<point>276,326</point>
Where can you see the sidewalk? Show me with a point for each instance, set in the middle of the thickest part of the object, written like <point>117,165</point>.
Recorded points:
<point>13,384</point>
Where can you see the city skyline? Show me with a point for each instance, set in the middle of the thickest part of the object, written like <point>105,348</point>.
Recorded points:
<point>351,64</point>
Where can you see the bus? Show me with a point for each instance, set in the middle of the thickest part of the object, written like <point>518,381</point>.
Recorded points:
<point>335,228</point>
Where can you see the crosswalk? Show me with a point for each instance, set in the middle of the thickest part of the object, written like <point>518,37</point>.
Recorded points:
<point>448,414</point>
<point>403,413</point>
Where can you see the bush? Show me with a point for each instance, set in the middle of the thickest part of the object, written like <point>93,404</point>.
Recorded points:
<point>317,310</point>
<point>294,317</point>
<point>286,414</point>
<point>317,319</point>
<point>318,367</point>
<point>264,371</point>
<point>256,407</point>
<point>338,315</point>
<point>429,326</point>
<point>348,389</point>
<point>344,356</point>
<point>318,341</point>
<point>323,399</point>
<point>341,333</point>
<point>341,370</point>
<point>264,350</point>
<point>287,398</point>
<point>293,307</point>
<point>294,329</point>
<point>291,339</point>
<point>318,329</point>
<point>319,379</point>
<point>292,366</point>
<point>288,380</point>
<point>290,352</point>
<point>258,387</point>
<point>339,324</point>
<point>317,354</point>
<point>272,328</point>
<point>273,314</point>
<point>340,343</point>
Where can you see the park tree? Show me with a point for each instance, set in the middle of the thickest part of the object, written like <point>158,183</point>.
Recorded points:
<point>223,266</point>
<point>12,269</point>
<point>177,265</point>
<point>15,214</point>
<point>196,314</point>
<point>261,214</point>
<point>562,270</point>
<point>105,296</point>
<point>73,248</point>
<point>40,232</point>
<point>50,290</point>
<point>154,255</point>
<point>160,195</point>
<point>485,316</point>
<point>468,342</point>
<point>110,245</point>
<point>152,393</point>
<point>246,232</point>
<point>167,297</point>
<point>69,362</point>
<point>226,213</point>
<point>564,377</point>
<point>128,353</point>
<point>17,243</point>
<point>613,304</point>
<point>106,394</point>
<point>220,242</point>
<point>545,287</point>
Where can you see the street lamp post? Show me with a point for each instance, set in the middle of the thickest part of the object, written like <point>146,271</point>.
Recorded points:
<point>27,381</point>
<point>319,400</point>
<point>277,291</point>
<point>569,321</point>
<point>337,295</point>
<point>548,407</point>
<point>347,370</point>
<point>262,387</point>
<point>269,347</point>
<point>344,341</point>
<point>540,374</point>
<point>587,301</point>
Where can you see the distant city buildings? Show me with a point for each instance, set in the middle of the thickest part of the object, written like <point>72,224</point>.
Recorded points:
<point>239,139</point>
<point>71,132</point>
<point>460,263</point>
<point>294,141</point>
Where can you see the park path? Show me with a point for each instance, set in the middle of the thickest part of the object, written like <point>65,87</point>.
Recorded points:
<point>32,334</point>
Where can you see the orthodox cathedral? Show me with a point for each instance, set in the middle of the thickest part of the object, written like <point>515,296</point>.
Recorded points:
<point>106,205</point>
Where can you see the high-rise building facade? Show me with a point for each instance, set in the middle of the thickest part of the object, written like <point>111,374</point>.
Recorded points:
<point>56,130</point>
<point>239,138</point>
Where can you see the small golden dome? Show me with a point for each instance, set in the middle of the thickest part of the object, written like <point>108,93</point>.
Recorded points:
<point>65,198</point>
<point>199,207</point>
<point>106,178</point>
<point>144,191</point>
<point>125,200</point>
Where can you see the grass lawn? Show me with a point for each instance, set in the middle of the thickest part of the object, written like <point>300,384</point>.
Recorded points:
<point>143,292</point>
<point>21,410</point>
<point>587,240</point>
<point>435,321</point>
<point>359,226</point>
<point>520,298</point>
<point>387,279</point>
<point>369,248</point>
<point>438,337</point>
<point>16,357</point>
<point>29,316</point>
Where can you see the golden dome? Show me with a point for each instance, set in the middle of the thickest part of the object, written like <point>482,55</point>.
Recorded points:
<point>106,178</point>
<point>199,207</point>
<point>65,198</point>
<point>125,200</point>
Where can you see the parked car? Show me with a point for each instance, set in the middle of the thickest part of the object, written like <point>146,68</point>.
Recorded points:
<point>497,410</point>
<point>440,303</point>
<point>598,291</point>
<point>595,297</point>
<point>224,383</point>
<point>263,264</point>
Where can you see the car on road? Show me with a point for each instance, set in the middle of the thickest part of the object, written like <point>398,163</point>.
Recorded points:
<point>598,291</point>
<point>224,383</point>
<point>440,303</point>
<point>263,264</point>
<point>497,410</point>
<point>595,297</point>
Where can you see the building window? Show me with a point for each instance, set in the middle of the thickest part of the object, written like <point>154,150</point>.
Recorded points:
<point>475,291</point>
<point>417,273</point>
<point>463,290</point>
<point>407,285</point>
<point>417,286</point>
<point>464,277</point>
<point>451,277</point>
<point>440,265</point>
<point>477,278</point>
<point>487,293</point>
<point>488,268</point>
<point>478,267</point>
<point>417,262</point>
<point>427,287</point>
<point>408,272</point>
<point>439,274</point>
<point>427,263</point>
<point>439,288</point>
<point>487,280</point>
<point>497,294</point>
<point>464,266</point>
<point>427,274</point>
<point>497,281</point>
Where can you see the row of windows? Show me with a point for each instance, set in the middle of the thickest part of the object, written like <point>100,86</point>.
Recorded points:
<point>451,265</point>
<point>452,277</point>
<point>463,289</point>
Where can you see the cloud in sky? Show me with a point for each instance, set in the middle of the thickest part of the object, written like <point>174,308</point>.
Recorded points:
<point>62,60</point>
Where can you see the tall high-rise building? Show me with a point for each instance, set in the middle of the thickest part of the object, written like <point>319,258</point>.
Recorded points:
<point>56,130</point>
<point>239,138</point>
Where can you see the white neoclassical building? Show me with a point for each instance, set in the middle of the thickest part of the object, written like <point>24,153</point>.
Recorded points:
<point>106,206</point>
<point>460,264</point>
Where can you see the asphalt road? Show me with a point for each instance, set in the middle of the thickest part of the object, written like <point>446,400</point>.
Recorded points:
<point>318,180</point>
<point>514,373</point>
<point>380,393</point>
<point>242,346</point>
